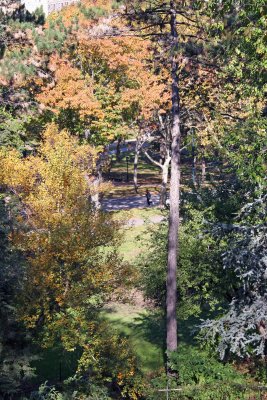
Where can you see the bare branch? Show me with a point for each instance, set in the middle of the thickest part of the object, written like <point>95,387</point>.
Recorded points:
<point>151,159</point>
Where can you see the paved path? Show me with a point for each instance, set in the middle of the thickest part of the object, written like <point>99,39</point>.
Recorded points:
<point>126,203</point>
<point>126,146</point>
<point>155,219</point>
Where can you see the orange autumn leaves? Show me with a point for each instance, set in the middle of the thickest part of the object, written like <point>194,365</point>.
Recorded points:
<point>110,82</point>
<point>71,91</point>
<point>128,64</point>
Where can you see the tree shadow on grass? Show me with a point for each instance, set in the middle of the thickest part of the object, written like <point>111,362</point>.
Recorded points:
<point>148,333</point>
<point>55,364</point>
<point>150,328</point>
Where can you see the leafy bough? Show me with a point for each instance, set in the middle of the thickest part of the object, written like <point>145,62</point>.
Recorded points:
<point>242,330</point>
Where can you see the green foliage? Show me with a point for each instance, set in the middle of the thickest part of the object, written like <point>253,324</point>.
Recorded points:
<point>108,359</point>
<point>12,130</point>
<point>201,377</point>
<point>196,367</point>
<point>245,147</point>
<point>241,30</point>
<point>47,392</point>
<point>16,62</point>
<point>116,4</point>
<point>18,130</point>
<point>52,38</point>
<point>199,267</point>
<point>105,364</point>
<point>92,12</point>
<point>241,330</point>
<point>15,351</point>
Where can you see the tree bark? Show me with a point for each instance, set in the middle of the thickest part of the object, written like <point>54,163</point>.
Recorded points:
<point>163,191</point>
<point>171,300</point>
<point>136,158</point>
<point>96,184</point>
<point>118,149</point>
<point>203,170</point>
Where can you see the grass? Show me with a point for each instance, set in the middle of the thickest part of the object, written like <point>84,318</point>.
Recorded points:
<point>135,238</point>
<point>144,327</point>
<point>149,175</point>
<point>145,331</point>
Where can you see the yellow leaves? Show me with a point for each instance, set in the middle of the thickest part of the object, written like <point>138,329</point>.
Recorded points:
<point>62,234</point>
<point>54,181</point>
<point>16,172</point>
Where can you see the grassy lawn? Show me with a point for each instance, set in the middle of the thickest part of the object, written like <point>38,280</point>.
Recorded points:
<point>135,238</point>
<point>144,329</point>
<point>149,175</point>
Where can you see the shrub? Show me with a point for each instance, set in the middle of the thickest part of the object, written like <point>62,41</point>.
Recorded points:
<point>201,377</point>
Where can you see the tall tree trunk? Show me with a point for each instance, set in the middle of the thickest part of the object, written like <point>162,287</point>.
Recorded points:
<point>118,149</point>
<point>174,194</point>
<point>203,170</point>
<point>163,191</point>
<point>194,159</point>
<point>136,158</point>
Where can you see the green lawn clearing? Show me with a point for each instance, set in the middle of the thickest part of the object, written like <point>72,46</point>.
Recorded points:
<point>135,237</point>
<point>144,329</point>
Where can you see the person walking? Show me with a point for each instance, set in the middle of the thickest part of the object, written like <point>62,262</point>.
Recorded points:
<point>148,198</point>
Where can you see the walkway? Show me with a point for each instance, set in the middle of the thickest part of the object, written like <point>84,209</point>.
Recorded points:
<point>126,203</point>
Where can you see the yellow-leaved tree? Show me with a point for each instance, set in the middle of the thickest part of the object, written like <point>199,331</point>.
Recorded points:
<point>72,267</point>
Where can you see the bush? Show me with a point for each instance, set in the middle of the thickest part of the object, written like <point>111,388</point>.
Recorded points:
<point>201,377</point>
<point>200,281</point>
<point>46,392</point>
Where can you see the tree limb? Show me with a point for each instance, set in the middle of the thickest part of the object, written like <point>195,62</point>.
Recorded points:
<point>151,159</point>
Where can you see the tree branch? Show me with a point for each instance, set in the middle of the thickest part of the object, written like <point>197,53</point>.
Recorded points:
<point>151,159</point>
